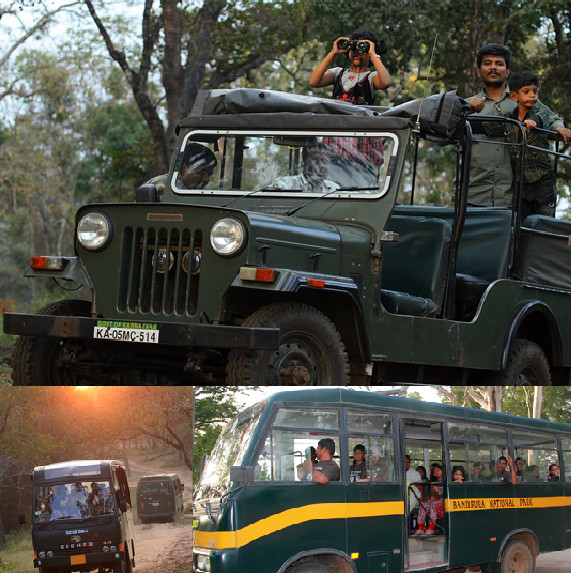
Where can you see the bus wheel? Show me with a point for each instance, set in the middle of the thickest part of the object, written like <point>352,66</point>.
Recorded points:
<point>311,352</point>
<point>517,558</point>
<point>310,568</point>
<point>527,366</point>
<point>36,357</point>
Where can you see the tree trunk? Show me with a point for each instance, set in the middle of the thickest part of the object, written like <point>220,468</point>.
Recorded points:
<point>537,401</point>
<point>2,534</point>
<point>172,74</point>
<point>476,35</point>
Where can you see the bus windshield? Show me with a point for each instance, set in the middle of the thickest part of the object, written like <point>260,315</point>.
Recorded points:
<point>73,500</point>
<point>270,164</point>
<point>229,451</point>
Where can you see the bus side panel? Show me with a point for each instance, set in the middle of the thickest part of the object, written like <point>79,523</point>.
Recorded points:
<point>376,537</point>
<point>488,512</point>
<point>548,523</point>
<point>289,518</point>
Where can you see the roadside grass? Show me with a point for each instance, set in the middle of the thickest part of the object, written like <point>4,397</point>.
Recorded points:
<point>19,554</point>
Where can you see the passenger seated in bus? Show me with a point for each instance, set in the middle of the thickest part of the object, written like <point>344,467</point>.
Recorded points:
<point>358,469</point>
<point>477,471</point>
<point>423,477</point>
<point>325,470</point>
<point>503,473</point>
<point>378,467</point>
<point>458,474</point>
<point>553,473</point>
<point>519,469</point>
<point>532,473</point>
<point>303,470</point>
<point>316,163</point>
<point>433,508</point>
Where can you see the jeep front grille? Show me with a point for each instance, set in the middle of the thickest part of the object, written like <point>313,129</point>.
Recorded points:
<point>160,271</point>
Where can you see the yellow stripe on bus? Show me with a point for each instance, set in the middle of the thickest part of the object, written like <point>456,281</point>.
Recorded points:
<point>294,516</point>
<point>481,503</point>
<point>234,539</point>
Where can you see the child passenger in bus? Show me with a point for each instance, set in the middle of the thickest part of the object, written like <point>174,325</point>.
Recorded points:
<point>358,468</point>
<point>432,508</point>
<point>458,474</point>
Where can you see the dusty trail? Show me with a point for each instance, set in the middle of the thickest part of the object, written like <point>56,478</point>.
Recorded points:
<point>163,548</point>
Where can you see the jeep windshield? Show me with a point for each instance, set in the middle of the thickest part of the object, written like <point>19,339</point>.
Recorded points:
<point>73,500</point>
<point>230,450</point>
<point>274,164</point>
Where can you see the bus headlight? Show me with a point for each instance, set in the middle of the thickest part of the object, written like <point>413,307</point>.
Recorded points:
<point>50,553</point>
<point>228,237</point>
<point>94,231</point>
<point>203,562</point>
<point>41,554</point>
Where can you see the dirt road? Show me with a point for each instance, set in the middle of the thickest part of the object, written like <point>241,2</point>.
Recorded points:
<point>163,547</point>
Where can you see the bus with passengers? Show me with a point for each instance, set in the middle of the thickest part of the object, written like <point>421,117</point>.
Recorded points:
<point>258,509</point>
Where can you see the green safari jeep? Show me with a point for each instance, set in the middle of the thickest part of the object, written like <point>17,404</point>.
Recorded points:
<point>275,252</point>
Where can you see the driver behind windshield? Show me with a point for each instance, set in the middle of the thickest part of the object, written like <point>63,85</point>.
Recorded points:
<point>316,163</point>
<point>196,169</point>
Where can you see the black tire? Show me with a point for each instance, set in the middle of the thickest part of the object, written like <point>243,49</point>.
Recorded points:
<point>527,366</point>
<point>35,360</point>
<point>517,557</point>
<point>311,351</point>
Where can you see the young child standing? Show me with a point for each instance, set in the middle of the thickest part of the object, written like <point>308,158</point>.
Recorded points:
<point>539,189</point>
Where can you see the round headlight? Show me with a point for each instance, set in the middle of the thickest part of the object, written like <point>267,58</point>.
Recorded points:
<point>94,231</point>
<point>228,237</point>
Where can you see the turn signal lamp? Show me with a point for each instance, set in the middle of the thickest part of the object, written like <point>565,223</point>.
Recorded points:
<point>46,263</point>
<point>259,275</point>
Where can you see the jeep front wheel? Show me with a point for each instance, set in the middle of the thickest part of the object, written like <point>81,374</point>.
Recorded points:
<point>311,351</point>
<point>37,359</point>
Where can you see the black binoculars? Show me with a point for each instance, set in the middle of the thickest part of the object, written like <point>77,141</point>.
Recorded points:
<point>355,45</point>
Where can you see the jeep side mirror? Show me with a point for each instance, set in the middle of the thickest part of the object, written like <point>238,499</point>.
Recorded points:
<point>242,474</point>
<point>123,506</point>
<point>21,519</point>
<point>147,193</point>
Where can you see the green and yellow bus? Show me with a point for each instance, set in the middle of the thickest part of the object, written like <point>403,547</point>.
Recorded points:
<point>256,511</point>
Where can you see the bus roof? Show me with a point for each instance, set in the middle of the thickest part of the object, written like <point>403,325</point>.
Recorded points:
<point>348,396</point>
<point>76,468</point>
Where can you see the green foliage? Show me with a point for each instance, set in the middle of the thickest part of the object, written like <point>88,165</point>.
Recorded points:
<point>120,157</point>
<point>213,407</point>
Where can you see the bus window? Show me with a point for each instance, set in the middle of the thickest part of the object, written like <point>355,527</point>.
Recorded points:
<point>374,431</point>
<point>535,452</point>
<point>286,455</point>
<point>566,447</point>
<point>477,447</point>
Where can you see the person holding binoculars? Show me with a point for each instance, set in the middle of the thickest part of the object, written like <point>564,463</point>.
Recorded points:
<point>356,84</point>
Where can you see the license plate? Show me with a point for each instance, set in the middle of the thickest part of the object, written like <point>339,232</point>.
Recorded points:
<point>77,560</point>
<point>126,331</point>
<point>156,504</point>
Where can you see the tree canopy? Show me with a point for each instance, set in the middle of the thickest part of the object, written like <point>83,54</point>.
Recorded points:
<point>91,91</point>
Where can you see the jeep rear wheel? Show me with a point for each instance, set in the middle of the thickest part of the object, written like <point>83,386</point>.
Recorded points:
<point>311,351</point>
<point>37,359</point>
<point>527,366</point>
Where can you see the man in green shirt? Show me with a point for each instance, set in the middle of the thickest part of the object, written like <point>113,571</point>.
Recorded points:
<point>490,172</point>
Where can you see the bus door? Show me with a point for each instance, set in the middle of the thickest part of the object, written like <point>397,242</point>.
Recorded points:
<point>374,497</point>
<point>426,532</point>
